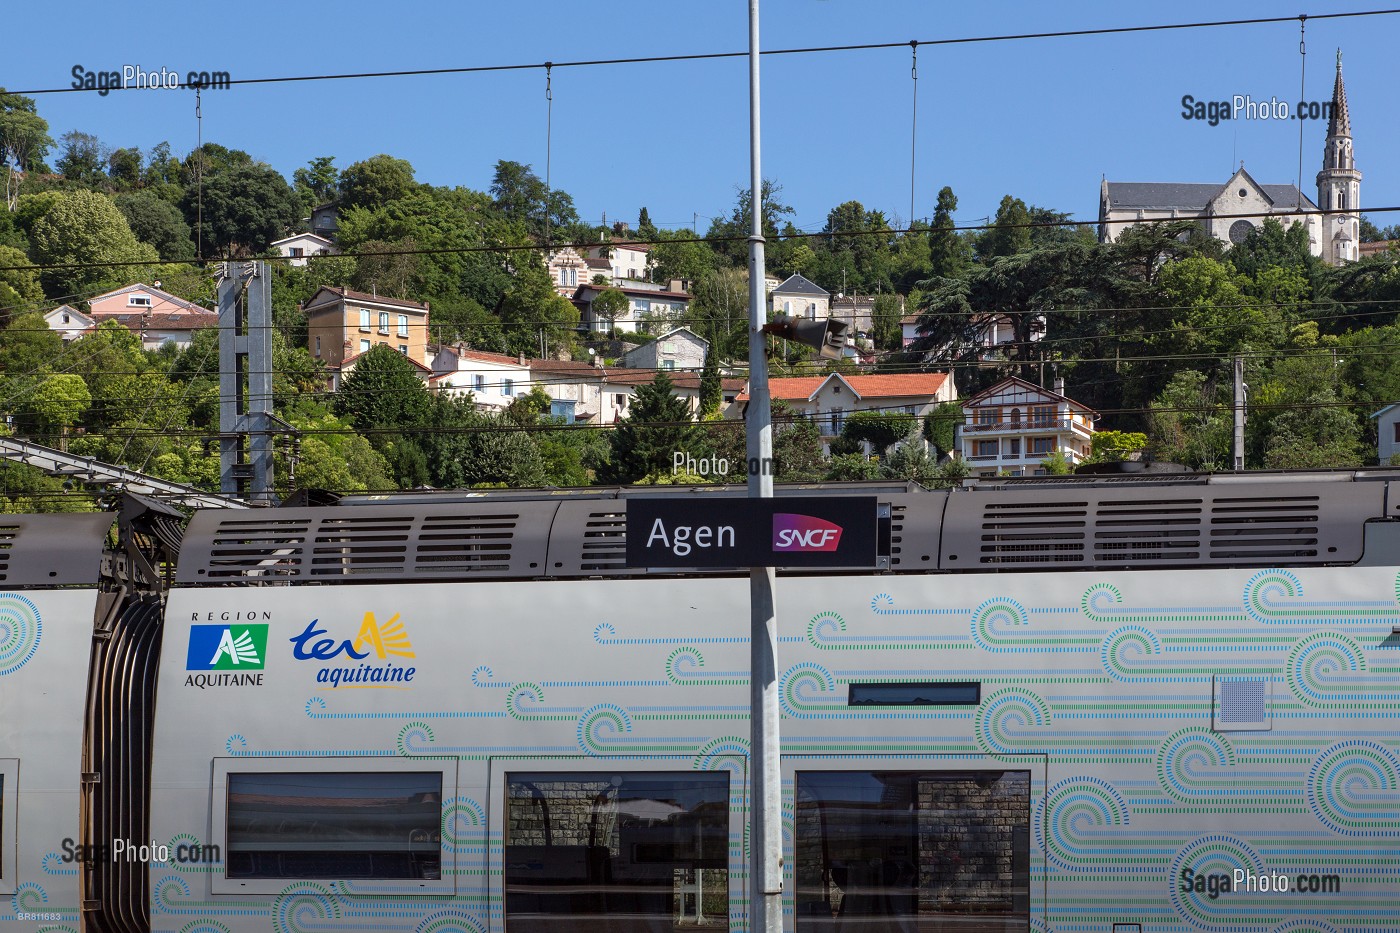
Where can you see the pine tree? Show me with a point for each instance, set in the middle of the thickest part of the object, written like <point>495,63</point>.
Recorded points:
<point>711,388</point>
<point>646,230</point>
<point>657,426</point>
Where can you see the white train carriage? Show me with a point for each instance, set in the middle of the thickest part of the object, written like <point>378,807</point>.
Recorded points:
<point>1118,706</point>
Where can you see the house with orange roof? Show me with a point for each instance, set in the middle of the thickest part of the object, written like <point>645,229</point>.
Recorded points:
<point>830,399</point>
<point>1014,425</point>
<point>156,316</point>
<point>342,324</point>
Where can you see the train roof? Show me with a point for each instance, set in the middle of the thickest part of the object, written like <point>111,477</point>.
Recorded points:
<point>1123,521</point>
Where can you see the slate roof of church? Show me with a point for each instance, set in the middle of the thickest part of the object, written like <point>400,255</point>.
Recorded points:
<point>1154,195</point>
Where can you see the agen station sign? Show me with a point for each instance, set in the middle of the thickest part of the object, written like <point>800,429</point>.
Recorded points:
<point>734,532</point>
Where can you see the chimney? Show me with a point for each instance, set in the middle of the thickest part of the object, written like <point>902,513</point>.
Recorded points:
<point>1059,385</point>
<point>521,359</point>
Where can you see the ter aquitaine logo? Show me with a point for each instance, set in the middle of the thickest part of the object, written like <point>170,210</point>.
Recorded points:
<point>227,648</point>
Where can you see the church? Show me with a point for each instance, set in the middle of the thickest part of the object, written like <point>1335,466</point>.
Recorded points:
<point>1228,212</point>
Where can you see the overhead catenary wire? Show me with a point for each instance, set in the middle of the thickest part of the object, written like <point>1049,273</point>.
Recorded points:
<point>709,56</point>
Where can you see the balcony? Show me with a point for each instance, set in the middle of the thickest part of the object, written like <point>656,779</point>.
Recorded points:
<point>1021,427</point>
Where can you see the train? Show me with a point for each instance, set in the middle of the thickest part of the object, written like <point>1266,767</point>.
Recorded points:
<point>1113,704</point>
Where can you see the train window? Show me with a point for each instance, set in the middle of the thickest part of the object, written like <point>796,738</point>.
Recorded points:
<point>923,694</point>
<point>901,850</point>
<point>335,825</point>
<point>631,851</point>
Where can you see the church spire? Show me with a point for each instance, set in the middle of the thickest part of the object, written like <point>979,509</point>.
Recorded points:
<point>1340,122</point>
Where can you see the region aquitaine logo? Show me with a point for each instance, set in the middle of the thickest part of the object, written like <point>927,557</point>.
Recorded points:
<point>227,648</point>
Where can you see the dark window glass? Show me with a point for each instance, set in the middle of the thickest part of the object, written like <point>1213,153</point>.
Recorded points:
<point>899,852</point>
<point>602,852</point>
<point>335,825</point>
<point>958,694</point>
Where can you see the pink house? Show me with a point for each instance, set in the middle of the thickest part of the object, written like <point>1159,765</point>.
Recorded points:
<point>157,317</point>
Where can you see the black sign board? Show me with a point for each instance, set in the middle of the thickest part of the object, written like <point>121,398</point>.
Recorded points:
<point>798,531</point>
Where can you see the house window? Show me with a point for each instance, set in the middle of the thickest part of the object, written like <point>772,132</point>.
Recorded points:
<point>296,252</point>
<point>620,401</point>
<point>138,301</point>
<point>364,346</point>
<point>318,346</point>
<point>812,310</point>
<point>478,382</point>
<point>364,319</point>
<point>1042,415</point>
<point>403,348</point>
<point>1015,449</point>
<point>985,449</point>
<point>909,409</point>
<point>507,387</point>
<point>1396,426</point>
<point>403,325</point>
<point>384,322</point>
<point>1016,416</point>
<point>787,307</point>
<point>989,416</point>
<point>668,364</point>
<point>838,420</point>
<point>1042,445</point>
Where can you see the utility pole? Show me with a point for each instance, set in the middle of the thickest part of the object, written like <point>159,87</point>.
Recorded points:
<point>1240,390</point>
<point>765,783</point>
<point>245,381</point>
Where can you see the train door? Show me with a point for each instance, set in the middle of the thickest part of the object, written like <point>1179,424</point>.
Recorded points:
<point>909,844</point>
<point>614,845</point>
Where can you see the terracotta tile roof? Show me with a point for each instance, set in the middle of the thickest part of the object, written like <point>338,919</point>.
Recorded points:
<point>182,320</point>
<point>366,297</point>
<point>350,359</point>
<point>878,385</point>
<point>486,356</point>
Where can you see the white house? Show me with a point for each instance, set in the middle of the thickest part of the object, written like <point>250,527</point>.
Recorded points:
<point>301,246</point>
<point>800,297</point>
<point>830,399</point>
<point>990,332</point>
<point>625,260</point>
<point>1388,432</point>
<point>493,379</point>
<point>679,349</point>
<point>1014,425</point>
<point>69,322</point>
<point>646,308</point>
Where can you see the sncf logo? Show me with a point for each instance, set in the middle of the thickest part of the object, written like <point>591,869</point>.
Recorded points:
<point>793,532</point>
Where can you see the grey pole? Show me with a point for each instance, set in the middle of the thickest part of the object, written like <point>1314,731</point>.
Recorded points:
<point>1238,451</point>
<point>765,782</point>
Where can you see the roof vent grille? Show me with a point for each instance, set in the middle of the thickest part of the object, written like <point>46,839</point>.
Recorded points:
<point>1148,530</point>
<point>1256,529</point>
<point>457,544</point>
<point>1033,533</point>
<point>604,541</point>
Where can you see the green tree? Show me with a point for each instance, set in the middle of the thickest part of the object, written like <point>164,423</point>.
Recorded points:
<point>318,181</point>
<point>646,230</point>
<point>157,222</point>
<point>523,198</point>
<point>532,313</point>
<point>608,306</point>
<point>1009,234</point>
<point>246,207</point>
<point>680,255</point>
<point>85,227</point>
<point>1113,446</point>
<point>384,391</point>
<point>374,182</point>
<point>950,253</point>
<point>124,168</point>
<point>19,286</point>
<point>1057,464</point>
<point>24,141</point>
<point>797,447</point>
<point>884,318</point>
<point>657,426</point>
<point>57,402</point>
<point>879,429</point>
<point>82,159</point>
<point>711,385</point>
<point>732,230</point>
<point>910,462</point>
<point>1191,422</point>
<point>940,426</point>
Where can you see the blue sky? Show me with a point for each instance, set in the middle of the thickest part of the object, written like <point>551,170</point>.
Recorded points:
<point>1040,119</point>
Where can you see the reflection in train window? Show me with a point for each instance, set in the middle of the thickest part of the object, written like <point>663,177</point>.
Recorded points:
<point>902,851</point>
<point>616,852</point>
<point>336,825</point>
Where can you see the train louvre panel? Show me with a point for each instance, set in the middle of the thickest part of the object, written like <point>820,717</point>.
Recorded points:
<point>50,567</point>
<point>551,739</point>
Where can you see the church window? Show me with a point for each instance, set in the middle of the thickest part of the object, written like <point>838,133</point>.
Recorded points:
<point>1244,192</point>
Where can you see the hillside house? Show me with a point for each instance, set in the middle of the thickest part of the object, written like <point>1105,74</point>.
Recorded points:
<point>1014,425</point>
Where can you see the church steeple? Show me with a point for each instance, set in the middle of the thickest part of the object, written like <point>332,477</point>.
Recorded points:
<point>1339,183</point>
